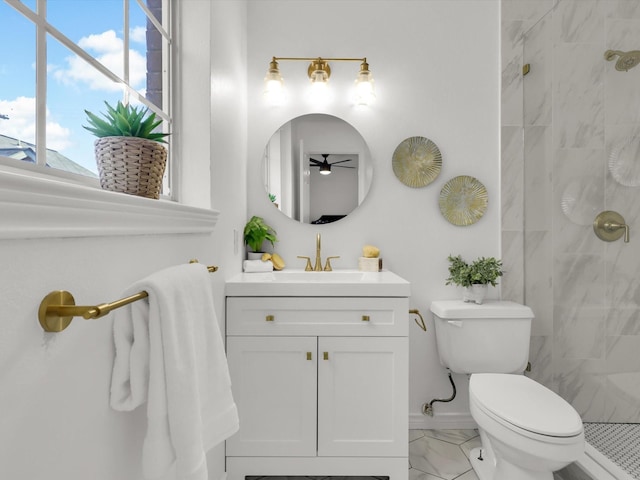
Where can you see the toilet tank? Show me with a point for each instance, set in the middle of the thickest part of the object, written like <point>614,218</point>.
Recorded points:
<point>488,338</point>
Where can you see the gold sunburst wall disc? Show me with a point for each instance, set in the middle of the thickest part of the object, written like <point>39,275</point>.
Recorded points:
<point>463,200</point>
<point>417,161</point>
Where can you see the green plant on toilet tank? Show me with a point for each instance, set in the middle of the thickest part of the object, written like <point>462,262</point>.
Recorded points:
<point>482,271</point>
<point>474,277</point>
<point>256,232</point>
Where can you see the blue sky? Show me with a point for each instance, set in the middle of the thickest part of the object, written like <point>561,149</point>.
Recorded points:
<point>72,85</point>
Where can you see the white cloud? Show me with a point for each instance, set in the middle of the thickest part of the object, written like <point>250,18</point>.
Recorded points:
<point>138,34</point>
<point>106,42</point>
<point>107,48</point>
<point>22,123</point>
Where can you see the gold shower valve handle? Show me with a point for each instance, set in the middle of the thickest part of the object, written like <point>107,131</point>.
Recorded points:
<point>610,226</point>
<point>616,226</point>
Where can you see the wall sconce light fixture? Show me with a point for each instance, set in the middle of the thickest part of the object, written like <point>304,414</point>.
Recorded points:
<point>319,72</point>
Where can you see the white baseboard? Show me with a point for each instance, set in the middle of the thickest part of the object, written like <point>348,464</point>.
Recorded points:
<point>443,421</point>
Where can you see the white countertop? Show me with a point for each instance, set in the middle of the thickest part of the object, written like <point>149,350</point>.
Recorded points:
<point>337,283</point>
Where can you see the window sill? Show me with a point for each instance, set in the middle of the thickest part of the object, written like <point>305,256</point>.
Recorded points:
<point>33,207</point>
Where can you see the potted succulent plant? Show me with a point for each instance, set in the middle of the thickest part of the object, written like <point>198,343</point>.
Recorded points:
<point>256,231</point>
<point>128,150</point>
<point>474,277</point>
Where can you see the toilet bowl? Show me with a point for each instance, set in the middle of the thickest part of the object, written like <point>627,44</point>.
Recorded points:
<point>527,431</point>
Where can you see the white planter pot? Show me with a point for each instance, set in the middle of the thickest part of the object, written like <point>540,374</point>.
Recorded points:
<point>475,293</point>
<point>254,255</point>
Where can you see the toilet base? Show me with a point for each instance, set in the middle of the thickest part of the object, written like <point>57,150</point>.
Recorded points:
<point>486,469</point>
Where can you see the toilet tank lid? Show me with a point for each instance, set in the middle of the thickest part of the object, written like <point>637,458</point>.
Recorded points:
<point>450,309</point>
<point>525,403</point>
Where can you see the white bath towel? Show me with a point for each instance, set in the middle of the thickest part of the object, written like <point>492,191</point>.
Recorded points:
<point>253,266</point>
<point>170,353</point>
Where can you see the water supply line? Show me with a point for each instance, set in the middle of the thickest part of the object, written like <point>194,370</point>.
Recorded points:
<point>427,408</point>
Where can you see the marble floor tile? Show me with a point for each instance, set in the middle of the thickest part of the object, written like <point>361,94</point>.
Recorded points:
<point>443,455</point>
<point>470,475</point>
<point>470,445</point>
<point>418,475</point>
<point>437,457</point>
<point>456,437</point>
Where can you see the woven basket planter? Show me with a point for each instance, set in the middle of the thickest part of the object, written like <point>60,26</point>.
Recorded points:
<point>131,165</point>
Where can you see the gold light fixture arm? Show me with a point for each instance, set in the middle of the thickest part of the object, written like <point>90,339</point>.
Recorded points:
<point>326,59</point>
<point>319,73</point>
<point>58,308</point>
<point>319,63</point>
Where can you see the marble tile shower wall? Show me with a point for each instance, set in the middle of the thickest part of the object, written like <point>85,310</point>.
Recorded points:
<point>574,109</point>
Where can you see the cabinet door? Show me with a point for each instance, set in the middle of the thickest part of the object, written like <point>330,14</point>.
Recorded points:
<point>362,396</point>
<point>275,388</point>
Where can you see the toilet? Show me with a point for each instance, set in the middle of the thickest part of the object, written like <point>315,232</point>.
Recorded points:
<point>527,431</point>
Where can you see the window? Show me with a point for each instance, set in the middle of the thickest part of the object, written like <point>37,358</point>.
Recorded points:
<point>61,57</point>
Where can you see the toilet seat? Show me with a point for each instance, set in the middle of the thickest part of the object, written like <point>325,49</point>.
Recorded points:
<point>521,404</point>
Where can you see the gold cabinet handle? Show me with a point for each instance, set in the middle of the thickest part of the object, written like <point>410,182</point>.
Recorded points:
<point>309,356</point>
<point>325,355</point>
<point>270,318</point>
<point>366,318</point>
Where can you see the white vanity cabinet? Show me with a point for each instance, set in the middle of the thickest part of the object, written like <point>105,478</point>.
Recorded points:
<point>321,385</point>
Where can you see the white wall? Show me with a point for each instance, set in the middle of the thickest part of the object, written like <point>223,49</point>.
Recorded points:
<point>436,68</point>
<point>436,65</point>
<point>56,423</point>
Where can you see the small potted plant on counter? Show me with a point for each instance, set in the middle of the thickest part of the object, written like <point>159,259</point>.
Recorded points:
<point>129,153</point>
<point>474,277</point>
<point>256,231</point>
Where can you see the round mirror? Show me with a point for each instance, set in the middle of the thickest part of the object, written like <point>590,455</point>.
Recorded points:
<point>317,168</point>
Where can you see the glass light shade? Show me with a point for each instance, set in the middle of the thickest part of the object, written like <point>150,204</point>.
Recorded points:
<point>319,92</point>
<point>274,87</point>
<point>319,76</point>
<point>325,170</point>
<point>364,91</point>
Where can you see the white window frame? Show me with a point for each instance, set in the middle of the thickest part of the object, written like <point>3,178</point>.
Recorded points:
<point>39,203</point>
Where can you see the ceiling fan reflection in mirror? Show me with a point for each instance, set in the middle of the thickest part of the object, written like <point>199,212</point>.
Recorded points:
<point>325,166</point>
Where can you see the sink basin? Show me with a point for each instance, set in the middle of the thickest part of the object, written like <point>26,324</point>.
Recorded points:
<point>340,283</point>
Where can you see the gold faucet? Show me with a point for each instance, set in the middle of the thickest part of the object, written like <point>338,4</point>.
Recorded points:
<point>318,262</point>
<point>318,267</point>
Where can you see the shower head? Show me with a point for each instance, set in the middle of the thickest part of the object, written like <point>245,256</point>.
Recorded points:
<point>626,60</point>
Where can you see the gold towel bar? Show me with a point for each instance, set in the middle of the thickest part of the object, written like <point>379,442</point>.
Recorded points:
<point>58,308</point>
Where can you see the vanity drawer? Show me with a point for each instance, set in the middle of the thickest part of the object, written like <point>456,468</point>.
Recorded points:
<point>345,316</point>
